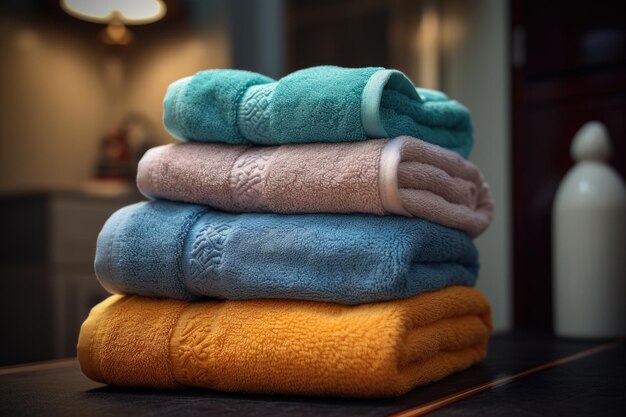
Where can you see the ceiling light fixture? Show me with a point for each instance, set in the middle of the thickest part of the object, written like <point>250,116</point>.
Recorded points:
<point>116,14</point>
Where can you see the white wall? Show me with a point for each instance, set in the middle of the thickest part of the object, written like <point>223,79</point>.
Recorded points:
<point>475,72</point>
<point>60,93</point>
<point>52,102</point>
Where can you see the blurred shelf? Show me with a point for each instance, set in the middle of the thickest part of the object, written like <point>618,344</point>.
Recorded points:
<point>47,249</point>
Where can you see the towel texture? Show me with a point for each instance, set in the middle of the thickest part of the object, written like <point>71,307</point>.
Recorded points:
<point>285,346</point>
<point>403,176</point>
<point>187,251</point>
<point>319,104</point>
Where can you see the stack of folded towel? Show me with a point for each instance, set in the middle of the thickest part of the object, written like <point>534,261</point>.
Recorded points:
<point>302,254</point>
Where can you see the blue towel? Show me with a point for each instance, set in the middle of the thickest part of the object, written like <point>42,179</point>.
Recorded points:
<point>187,251</point>
<point>319,104</point>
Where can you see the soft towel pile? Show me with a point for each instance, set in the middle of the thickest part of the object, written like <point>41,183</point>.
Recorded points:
<point>285,346</point>
<point>403,176</point>
<point>186,251</point>
<point>332,268</point>
<point>319,104</point>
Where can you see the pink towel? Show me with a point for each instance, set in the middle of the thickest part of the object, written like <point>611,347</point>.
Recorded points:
<point>403,176</point>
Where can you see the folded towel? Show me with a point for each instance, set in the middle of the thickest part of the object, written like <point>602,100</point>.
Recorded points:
<point>285,346</point>
<point>403,176</point>
<point>186,251</point>
<point>319,104</point>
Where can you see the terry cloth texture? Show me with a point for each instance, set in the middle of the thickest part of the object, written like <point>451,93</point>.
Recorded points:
<point>403,176</point>
<point>187,251</point>
<point>319,104</point>
<point>285,346</point>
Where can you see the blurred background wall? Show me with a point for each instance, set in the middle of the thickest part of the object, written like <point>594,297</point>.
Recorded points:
<point>476,72</point>
<point>62,88</point>
<point>63,91</point>
<point>530,74</point>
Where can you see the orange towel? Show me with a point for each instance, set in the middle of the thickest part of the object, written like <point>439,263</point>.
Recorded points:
<point>285,346</point>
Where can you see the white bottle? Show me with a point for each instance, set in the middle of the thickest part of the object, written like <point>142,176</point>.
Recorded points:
<point>589,242</point>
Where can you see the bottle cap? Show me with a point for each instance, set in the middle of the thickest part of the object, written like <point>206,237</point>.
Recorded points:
<point>591,143</point>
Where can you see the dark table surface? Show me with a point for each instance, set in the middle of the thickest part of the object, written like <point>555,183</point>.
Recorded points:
<point>591,382</point>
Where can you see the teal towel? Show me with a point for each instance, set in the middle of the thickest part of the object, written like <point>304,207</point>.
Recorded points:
<point>319,104</point>
<point>187,251</point>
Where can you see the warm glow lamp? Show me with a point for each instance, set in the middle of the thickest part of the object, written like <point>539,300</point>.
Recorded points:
<point>116,14</point>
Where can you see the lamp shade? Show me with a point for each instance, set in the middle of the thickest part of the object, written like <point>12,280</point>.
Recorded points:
<point>135,12</point>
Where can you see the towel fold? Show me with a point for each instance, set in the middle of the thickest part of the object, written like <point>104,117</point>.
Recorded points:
<point>319,104</point>
<point>285,346</point>
<point>187,251</point>
<point>403,176</point>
